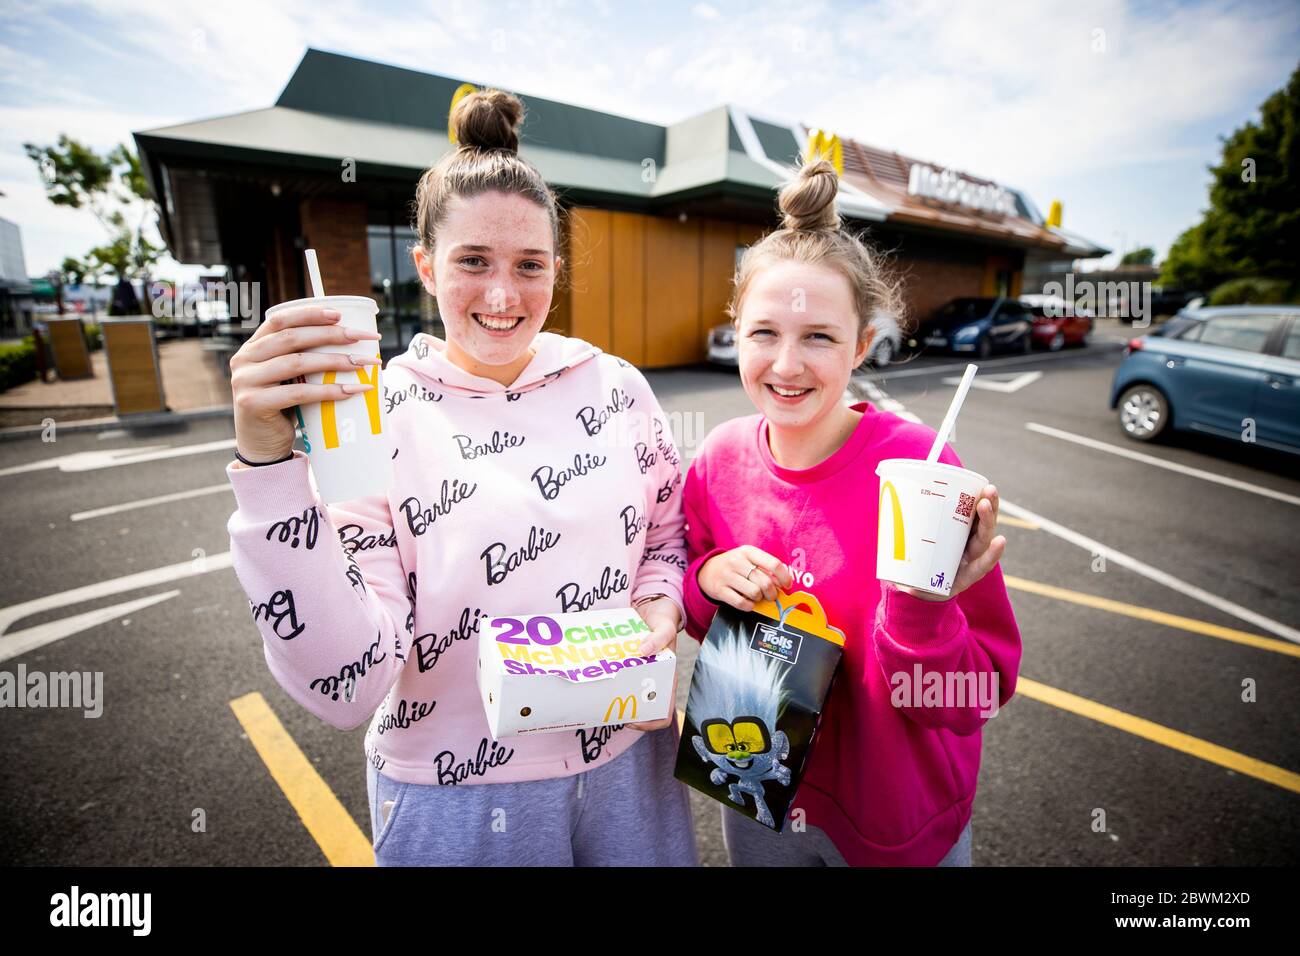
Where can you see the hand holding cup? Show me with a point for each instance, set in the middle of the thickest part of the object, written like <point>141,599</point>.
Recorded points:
<point>265,372</point>
<point>982,551</point>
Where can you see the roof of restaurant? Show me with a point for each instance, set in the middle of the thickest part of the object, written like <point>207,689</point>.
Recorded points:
<point>393,123</point>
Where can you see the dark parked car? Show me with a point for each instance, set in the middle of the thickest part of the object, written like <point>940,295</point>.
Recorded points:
<point>1226,371</point>
<point>981,325</point>
<point>1170,301</point>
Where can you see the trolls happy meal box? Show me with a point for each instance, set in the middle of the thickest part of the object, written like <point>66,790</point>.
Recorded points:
<point>757,694</point>
<point>550,672</point>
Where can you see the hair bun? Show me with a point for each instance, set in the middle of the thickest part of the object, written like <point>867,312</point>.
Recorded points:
<point>808,201</point>
<point>488,119</point>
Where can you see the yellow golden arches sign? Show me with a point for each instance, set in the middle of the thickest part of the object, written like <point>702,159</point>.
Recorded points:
<point>900,541</point>
<point>462,91</point>
<point>824,145</point>
<point>328,423</point>
<point>1054,214</point>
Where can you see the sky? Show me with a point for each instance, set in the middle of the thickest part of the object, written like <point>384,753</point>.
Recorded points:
<point>1113,107</point>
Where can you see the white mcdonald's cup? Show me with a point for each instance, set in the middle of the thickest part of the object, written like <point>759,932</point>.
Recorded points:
<point>926,513</point>
<point>347,440</point>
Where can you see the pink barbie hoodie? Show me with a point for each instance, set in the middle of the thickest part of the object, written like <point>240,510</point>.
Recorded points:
<point>561,492</point>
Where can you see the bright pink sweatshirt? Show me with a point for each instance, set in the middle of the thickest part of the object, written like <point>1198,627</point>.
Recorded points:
<point>561,492</point>
<point>890,785</point>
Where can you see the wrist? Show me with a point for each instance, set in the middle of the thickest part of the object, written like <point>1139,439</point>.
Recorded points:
<point>702,578</point>
<point>257,462</point>
<point>923,595</point>
<point>913,622</point>
<point>651,603</point>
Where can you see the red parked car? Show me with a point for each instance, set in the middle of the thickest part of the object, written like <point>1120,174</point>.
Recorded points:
<point>1057,323</point>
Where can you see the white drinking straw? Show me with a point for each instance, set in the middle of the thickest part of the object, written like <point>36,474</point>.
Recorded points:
<point>954,409</point>
<point>313,270</point>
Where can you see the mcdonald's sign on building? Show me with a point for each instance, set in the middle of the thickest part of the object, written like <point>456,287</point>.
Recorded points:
<point>827,146</point>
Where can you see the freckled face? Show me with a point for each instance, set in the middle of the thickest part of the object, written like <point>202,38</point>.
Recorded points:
<point>492,271</point>
<point>798,342</point>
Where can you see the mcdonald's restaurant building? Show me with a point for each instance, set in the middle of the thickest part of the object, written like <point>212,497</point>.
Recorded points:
<point>654,216</point>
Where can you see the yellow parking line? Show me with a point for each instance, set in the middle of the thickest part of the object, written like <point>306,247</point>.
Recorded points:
<point>1273,644</point>
<point>329,824</point>
<point>1017,522</point>
<point>1158,733</point>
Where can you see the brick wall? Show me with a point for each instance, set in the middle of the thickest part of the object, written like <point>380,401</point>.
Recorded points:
<point>336,229</point>
<point>929,283</point>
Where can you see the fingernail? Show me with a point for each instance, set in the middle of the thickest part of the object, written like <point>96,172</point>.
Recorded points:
<point>331,313</point>
<point>644,649</point>
<point>355,388</point>
<point>363,360</point>
<point>358,335</point>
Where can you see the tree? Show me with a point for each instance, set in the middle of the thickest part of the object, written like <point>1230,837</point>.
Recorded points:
<point>112,187</point>
<point>74,272</point>
<point>1252,228</point>
<point>1139,257</point>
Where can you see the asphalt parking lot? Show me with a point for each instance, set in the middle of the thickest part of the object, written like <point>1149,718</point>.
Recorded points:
<point>1154,591</point>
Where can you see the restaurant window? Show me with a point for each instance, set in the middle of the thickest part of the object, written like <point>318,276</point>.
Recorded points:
<point>404,308</point>
<point>380,241</point>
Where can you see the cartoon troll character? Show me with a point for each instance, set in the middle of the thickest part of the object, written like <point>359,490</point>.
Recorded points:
<point>736,698</point>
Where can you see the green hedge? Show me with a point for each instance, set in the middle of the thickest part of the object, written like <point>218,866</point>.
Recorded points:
<point>1255,291</point>
<point>17,364</point>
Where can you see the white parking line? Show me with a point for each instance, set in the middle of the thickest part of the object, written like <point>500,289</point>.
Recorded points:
<point>884,402</point>
<point>130,582</point>
<point>114,457</point>
<point>20,642</point>
<point>1001,383</point>
<point>1092,349</point>
<point>146,502</point>
<point>1154,574</point>
<point>1161,463</point>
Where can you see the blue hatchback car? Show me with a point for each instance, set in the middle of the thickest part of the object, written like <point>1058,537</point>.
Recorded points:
<point>1224,371</point>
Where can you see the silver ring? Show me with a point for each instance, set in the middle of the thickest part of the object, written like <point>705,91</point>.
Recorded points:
<point>752,569</point>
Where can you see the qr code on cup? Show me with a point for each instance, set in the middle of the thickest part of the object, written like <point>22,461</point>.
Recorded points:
<point>965,505</point>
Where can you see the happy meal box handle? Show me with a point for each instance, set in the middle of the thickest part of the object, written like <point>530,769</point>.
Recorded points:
<point>801,610</point>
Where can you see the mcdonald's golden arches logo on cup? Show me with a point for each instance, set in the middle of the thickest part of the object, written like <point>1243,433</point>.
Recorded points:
<point>926,515</point>
<point>345,439</point>
<point>896,515</point>
<point>366,375</point>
